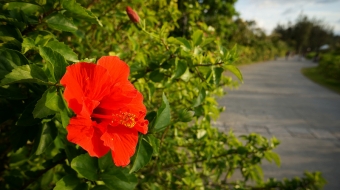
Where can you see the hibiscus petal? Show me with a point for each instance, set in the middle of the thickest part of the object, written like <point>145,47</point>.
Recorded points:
<point>121,95</point>
<point>85,80</point>
<point>82,132</point>
<point>122,141</point>
<point>118,70</point>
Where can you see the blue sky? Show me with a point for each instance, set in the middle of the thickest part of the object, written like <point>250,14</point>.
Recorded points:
<point>267,13</point>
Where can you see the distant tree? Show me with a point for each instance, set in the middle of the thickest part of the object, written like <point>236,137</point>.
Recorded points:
<point>305,34</point>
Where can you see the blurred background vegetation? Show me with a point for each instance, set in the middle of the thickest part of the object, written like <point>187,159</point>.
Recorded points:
<point>182,49</point>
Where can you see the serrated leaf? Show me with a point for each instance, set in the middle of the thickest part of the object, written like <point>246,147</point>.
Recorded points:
<point>25,73</point>
<point>27,44</point>
<point>86,166</point>
<point>163,115</point>
<point>200,98</point>
<point>41,37</point>
<point>235,71</point>
<point>63,50</point>
<point>142,156</point>
<point>9,59</point>
<point>79,11</point>
<point>70,182</point>
<point>119,178</point>
<point>60,22</point>
<point>45,138</point>
<point>197,37</point>
<point>57,63</point>
<point>53,99</point>
<point>40,109</point>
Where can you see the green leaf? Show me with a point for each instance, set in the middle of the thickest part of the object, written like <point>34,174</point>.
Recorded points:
<point>197,37</point>
<point>119,179</point>
<point>28,8</point>
<point>65,112</point>
<point>47,179</point>
<point>86,166</point>
<point>41,110</point>
<point>186,76</point>
<point>185,115</point>
<point>10,37</point>
<point>207,41</point>
<point>71,150</point>
<point>63,50</point>
<point>65,117</point>
<point>9,59</point>
<point>142,156</point>
<point>235,71</point>
<point>70,182</point>
<point>12,21</point>
<point>41,37</point>
<point>25,73</point>
<point>185,43</point>
<point>151,90</point>
<point>272,156</point>
<point>200,98</point>
<point>151,117</point>
<point>57,63</point>
<point>78,11</point>
<point>45,138</point>
<point>163,115</point>
<point>8,30</point>
<point>181,67</point>
<point>154,142</point>
<point>217,74</point>
<point>54,100</point>
<point>106,162</point>
<point>156,76</point>
<point>27,44</point>
<point>60,22</point>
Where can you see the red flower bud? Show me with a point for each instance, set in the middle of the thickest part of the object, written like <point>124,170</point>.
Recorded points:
<point>132,15</point>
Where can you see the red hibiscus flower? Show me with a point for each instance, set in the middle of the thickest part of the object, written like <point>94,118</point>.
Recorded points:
<point>109,110</point>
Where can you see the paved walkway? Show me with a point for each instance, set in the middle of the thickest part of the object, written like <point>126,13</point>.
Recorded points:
<point>277,100</point>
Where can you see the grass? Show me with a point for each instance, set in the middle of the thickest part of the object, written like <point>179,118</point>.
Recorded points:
<point>313,74</point>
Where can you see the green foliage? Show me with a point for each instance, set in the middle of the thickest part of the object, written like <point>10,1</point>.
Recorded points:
<point>329,66</point>
<point>180,77</point>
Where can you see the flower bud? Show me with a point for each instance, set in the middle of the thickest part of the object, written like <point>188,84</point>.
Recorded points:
<point>132,15</point>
